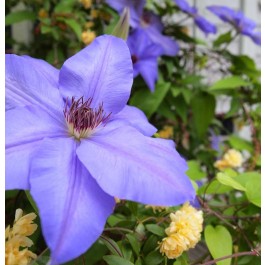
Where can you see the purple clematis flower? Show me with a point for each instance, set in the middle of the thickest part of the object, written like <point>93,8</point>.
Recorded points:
<point>151,24</point>
<point>241,23</point>
<point>135,6</point>
<point>148,21</point>
<point>144,57</point>
<point>206,26</point>
<point>75,144</point>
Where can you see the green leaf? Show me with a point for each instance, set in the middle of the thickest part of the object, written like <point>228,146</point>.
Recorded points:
<point>133,206</point>
<point>150,244</point>
<point>243,64</point>
<point>219,242</point>
<point>203,107</point>
<point>19,16</point>
<point>75,26</point>
<point>93,256</point>
<point>11,193</point>
<point>240,144</point>
<point>230,172</point>
<point>32,202</point>
<point>181,107</point>
<point>224,38</point>
<point>182,260</point>
<point>235,106</point>
<point>194,172</point>
<point>155,229</point>
<point>149,101</point>
<point>111,245</point>
<point>253,192</point>
<point>43,260</point>
<point>244,178</point>
<point>134,243</point>
<point>114,219</point>
<point>187,94</point>
<point>164,109</point>
<point>229,181</point>
<point>153,258</point>
<point>175,91</point>
<point>64,6</point>
<point>192,80</point>
<point>115,260</point>
<point>214,187</point>
<point>45,29</point>
<point>138,261</point>
<point>231,82</point>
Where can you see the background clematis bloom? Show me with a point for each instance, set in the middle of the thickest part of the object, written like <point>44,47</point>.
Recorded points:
<point>135,6</point>
<point>75,144</point>
<point>205,25</point>
<point>144,57</point>
<point>151,24</point>
<point>242,24</point>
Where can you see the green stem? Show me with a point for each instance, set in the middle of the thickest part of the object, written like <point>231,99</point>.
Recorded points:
<point>247,253</point>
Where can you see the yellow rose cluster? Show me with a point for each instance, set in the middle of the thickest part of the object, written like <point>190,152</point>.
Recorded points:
<point>17,241</point>
<point>231,159</point>
<point>184,231</point>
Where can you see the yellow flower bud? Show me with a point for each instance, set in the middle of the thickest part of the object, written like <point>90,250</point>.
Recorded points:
<point>88,36</point>
<point>43,13</point>
<point>166,132</point>
<point>94,13</point>
<point>89,25</point>
<point>86,3</point>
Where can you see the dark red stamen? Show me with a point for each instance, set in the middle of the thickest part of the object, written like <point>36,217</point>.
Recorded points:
<point>134,59</point>
<point>146,17</point>
<point>81,118</point>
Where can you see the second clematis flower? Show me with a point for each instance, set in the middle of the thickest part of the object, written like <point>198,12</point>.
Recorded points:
<point>242,24</point>
<point>75,144</point>
<point>144,54</point>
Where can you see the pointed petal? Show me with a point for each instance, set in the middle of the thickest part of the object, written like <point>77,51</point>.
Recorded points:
<point>31,82</point>
<point>73,208</point>
<point>137,119</point>
<point>102,71</point>
<point>139,168</point>
<point>25,129</point>
<point>170,47</point>
<point>149,72</point>
<point>205,25</point>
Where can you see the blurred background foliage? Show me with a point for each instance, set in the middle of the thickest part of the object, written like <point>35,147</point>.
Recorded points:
<point>183,108</point>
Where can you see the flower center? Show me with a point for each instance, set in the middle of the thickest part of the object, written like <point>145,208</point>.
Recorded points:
<point>134,59</point>
<point>82,119</point>
<point>145,20</point>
